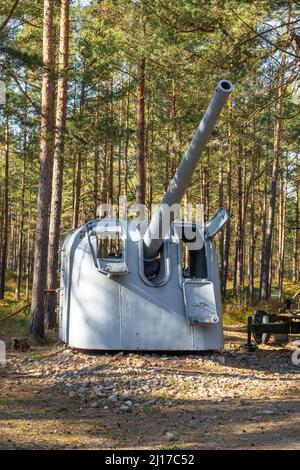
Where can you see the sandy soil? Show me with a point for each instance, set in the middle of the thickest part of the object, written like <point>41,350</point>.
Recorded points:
<point>54,398</point>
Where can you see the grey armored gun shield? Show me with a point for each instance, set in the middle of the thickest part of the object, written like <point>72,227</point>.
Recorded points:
<point>127,287</point>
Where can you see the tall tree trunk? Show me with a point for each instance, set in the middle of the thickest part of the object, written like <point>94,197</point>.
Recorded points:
<point>140,134</point>
<point>77,187</point>
<point>295,267</point>
<point>125,185</point>
<point>96,157</point>
<point>140,115</point>
<point>107,181</point>
<point>267,251</point>
<point>221,203</point>
<point>110,194</point>
<point>206,191</point>
<point>151,153</point>
<point>173,130</point>
<point>229,199</point>
<point>78,162</point>
<point>119,160</point>
<point>44,192</point>
<point>1,225</point>
<point>281,228</point>
<point>57,180</point>
<point>103,187</point>
<point>243,227</point>
<point>252,244</point>
<point>238,240</point>
<point>252,238</point>
<point>21,224</point>
<point>4,244</point>
<point>265,200</point>
<point>96,181</point>
<point>28,253</point>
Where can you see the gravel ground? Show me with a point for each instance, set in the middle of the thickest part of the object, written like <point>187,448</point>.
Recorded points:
<point>53,397</point>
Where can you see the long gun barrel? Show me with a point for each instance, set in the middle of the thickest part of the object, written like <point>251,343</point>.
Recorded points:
<point>157,230</point>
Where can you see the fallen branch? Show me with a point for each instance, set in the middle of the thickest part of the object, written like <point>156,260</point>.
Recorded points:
<point>16,312</point>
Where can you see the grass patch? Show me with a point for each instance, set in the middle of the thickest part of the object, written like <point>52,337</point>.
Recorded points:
<point>236,308</point>
<point>18,324</point>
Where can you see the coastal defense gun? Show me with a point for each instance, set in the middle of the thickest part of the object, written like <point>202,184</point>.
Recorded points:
<point>134,285</point>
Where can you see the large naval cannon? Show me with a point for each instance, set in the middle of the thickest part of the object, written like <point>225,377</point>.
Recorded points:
<point>137,286</point>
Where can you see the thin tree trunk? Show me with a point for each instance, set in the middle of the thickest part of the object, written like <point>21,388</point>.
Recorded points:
<point>151,154</point>
<point>264,206</point>
<point>4,244</point>
<point>243,227</point>
<point>173,130</point>
<point>1,225</point>
<point>103,187</point>
<point>78,162</point>
<point>229,199</point>
<point>126,140</point>
<point>96,180</point>
<point>206,191</point>
<point>281,231</point>
<point>110,195</point>
<point>110,189</point>
<point>252,246</point>
<point>21,225</point>
<point>170,150</point>
<point>238,241</point>
<point>119,187</point>
<point>96,157</point>
<point>140,134</point>
<point>267,252</point>
<point>44,192</point>
<point>140,114</point>
<point>57,180</point>
<point>252,221</point>
<point>252,238</point>
<point>77,187</point>
<point>221,203</point>
<point>29,249</point>
<point>295,268</point>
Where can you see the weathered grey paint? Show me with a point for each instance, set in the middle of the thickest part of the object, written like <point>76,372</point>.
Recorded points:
<point>111,304</point>
<point>124,312</point>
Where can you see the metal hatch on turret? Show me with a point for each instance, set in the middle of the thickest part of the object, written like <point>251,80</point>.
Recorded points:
<point>107,241</point>
<point>200,302</point>
<point>216,223</point>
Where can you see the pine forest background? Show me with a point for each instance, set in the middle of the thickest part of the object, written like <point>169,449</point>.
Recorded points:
<point>139,76</point>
